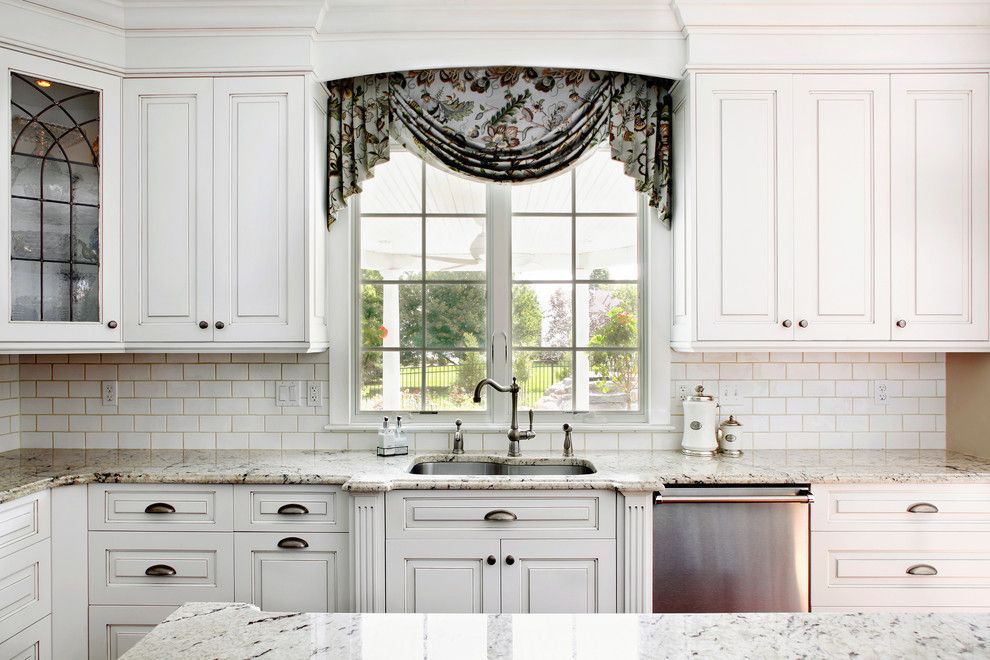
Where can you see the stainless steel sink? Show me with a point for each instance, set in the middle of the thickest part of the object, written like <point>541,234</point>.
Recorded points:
<point>482,468</point>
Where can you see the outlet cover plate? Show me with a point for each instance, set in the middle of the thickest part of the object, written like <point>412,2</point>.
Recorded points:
<point>314,393</point>
<point>881,392</point>
<point>108,392</point>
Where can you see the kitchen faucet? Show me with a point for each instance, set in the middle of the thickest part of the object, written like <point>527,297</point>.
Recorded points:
<point>514,434</point>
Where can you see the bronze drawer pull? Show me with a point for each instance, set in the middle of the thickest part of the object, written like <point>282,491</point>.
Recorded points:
<point>160,570</point>
<point>159,507</point>
<point>491,560</point>
<point>293,542</point>
<point>292,509</point>
<point>501,514</point>
<point>922,569</point>
<point>922,507</point>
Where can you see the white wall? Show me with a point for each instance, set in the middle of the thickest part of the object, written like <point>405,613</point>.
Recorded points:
<point>791,400</point>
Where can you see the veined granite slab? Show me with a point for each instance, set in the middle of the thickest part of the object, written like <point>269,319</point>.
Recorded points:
<point>237,630</point>
<point>26,471</point>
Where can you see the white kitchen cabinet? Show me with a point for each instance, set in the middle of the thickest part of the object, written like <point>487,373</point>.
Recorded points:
<point>939,184</point>
<point>552,577</point>
<point>289,573</point>
<point>451,576</point>
<point>226,246</point>
<point>113,630</point>
<point>841,207</point>
<point>32,643</point>
<point>60,212</point>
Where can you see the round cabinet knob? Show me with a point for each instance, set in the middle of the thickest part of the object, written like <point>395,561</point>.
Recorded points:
<point>510,560</point>
<point>112,325</point>
<point>218,325</point>
<point>491,560</point>
<point>786,323</point>
<point>204,325</point>
<point>901,323</point>
<point>803,323</point>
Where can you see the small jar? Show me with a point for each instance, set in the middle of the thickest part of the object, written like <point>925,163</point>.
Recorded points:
<point>728,438</point>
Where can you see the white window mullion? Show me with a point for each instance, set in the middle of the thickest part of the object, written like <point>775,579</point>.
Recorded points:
<point>500,295</point>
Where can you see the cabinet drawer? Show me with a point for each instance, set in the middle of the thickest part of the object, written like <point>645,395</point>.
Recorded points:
<point>892,507</point>
<point>114,630</point>
<point>24,521</point>
<point>509,514</point>
<point>32,643</point>
<point>900,569</point>
<point>277,508</point>
<point>160,568</point>
<point>25,587</point>
<point>178,507</point>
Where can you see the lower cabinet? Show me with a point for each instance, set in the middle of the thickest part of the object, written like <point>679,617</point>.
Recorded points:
<point>507,576</point>
<point>113,630</point>
<point>32,643</point>
<point>281,572</point>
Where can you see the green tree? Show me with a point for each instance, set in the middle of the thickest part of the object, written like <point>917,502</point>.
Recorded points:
<point>618,369</point>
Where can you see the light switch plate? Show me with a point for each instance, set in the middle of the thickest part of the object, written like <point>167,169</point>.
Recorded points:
<point>288,393</point>
<point>729,395</point>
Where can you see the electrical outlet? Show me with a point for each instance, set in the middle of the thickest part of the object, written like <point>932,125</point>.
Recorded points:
<point>109,392</point>
<point>288,394</point>
<point>728,394</point>
<point>683,390</point>
<point>881,392</point>
<point>314,393</point>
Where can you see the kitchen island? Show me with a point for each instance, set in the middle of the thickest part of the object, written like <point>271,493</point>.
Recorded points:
<point>238,630</point>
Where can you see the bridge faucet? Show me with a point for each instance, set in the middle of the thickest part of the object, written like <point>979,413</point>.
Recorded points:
<point>514,434</point>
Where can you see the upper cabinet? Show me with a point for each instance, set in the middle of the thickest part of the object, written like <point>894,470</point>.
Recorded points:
<point>60,216</point>
<point>220,249</point>
<point>831,211</point>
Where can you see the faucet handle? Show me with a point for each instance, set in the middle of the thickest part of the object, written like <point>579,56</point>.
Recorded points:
<point>568,442</point>
<point>457,423</point>
<point>530,419</point>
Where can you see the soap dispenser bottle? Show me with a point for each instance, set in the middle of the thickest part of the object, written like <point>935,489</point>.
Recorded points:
<point>401,441</point>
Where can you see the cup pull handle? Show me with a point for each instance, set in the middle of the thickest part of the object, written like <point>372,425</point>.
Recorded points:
<point>922,507</point>
<point>922,569</point>
<point>292,509</point>
<point>293,542</point>
<point>160,570</point>
<point>501,514</point>
<point>159,507</point>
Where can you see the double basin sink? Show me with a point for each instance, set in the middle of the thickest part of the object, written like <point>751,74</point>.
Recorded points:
<point>501,468</point>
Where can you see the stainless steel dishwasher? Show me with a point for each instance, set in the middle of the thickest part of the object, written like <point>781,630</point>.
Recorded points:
<point>731,549</point>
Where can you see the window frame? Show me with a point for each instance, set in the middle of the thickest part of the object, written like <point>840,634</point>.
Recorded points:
<point>655,264</point>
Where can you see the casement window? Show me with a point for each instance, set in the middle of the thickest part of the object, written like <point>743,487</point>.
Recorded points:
<point>453,280</point>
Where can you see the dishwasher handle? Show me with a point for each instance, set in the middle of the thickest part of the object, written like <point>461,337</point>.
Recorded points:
<point>804,497</point>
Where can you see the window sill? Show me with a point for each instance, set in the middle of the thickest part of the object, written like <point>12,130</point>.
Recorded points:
<point>502,428</point>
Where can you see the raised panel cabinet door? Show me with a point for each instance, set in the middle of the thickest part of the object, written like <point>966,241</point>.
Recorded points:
<point>442,575</point>
<point>259,221</point>
<point>744,238</point>
<point>939,217</point>
<point>558,577</point>
<point>285,572</point>
<point>168,201</point>
<point>114,630</point>
<point>59,203</point>
<point>841,207</point>
<point>32,643</point>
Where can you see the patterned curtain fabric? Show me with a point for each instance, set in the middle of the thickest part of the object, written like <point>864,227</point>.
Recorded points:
<point>506,124</point>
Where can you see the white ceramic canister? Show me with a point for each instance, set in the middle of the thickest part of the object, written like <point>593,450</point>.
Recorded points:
<point>700,424</point>
<point>728,439</point>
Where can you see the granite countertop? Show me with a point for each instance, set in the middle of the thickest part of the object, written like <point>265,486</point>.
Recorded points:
<point>26,471</point>
<point>237,630</point>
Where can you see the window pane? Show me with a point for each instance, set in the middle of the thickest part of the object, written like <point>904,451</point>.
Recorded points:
<point>401,324</point>
<point>448,193</point>
<point>607,315</point>
<point>57,184</point>
<point>56,281</point>
<point>607,248</point>
<point>85,235</point>
<point>85,184</point>
<point>456,315</point>
<point>455,249</point>
<point>56,231</point>
<point>85,293</point>
<point>548,196</point>
<point>25,288</point>
<point>391,248</point>
<point>451,377</point>
<point>25,176</point>
<point>25,215</point>
<point>541,248</point>
<point>601,186</point>
<point>607,380</point>
<point>396,187</point>
<point>541,314</point>
<point>391,380</point>
<point>544,378</point>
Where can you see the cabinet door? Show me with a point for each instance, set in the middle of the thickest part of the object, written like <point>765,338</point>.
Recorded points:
<point>939,185</point>
<point>550,577</point>
<point>60,210</point>
<point>841,213</point>
<point>445,575</point>
<point>32,643</point>
<point>284,572</point>
<point>259,261</point>
<point>744,238</point>
<point>113,630</point>
<point>168,201</point>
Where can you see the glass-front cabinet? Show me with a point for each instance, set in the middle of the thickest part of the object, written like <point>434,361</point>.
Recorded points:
<point>61,207</point>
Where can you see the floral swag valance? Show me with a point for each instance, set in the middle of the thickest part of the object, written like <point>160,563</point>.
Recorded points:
<point>505,124</point>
